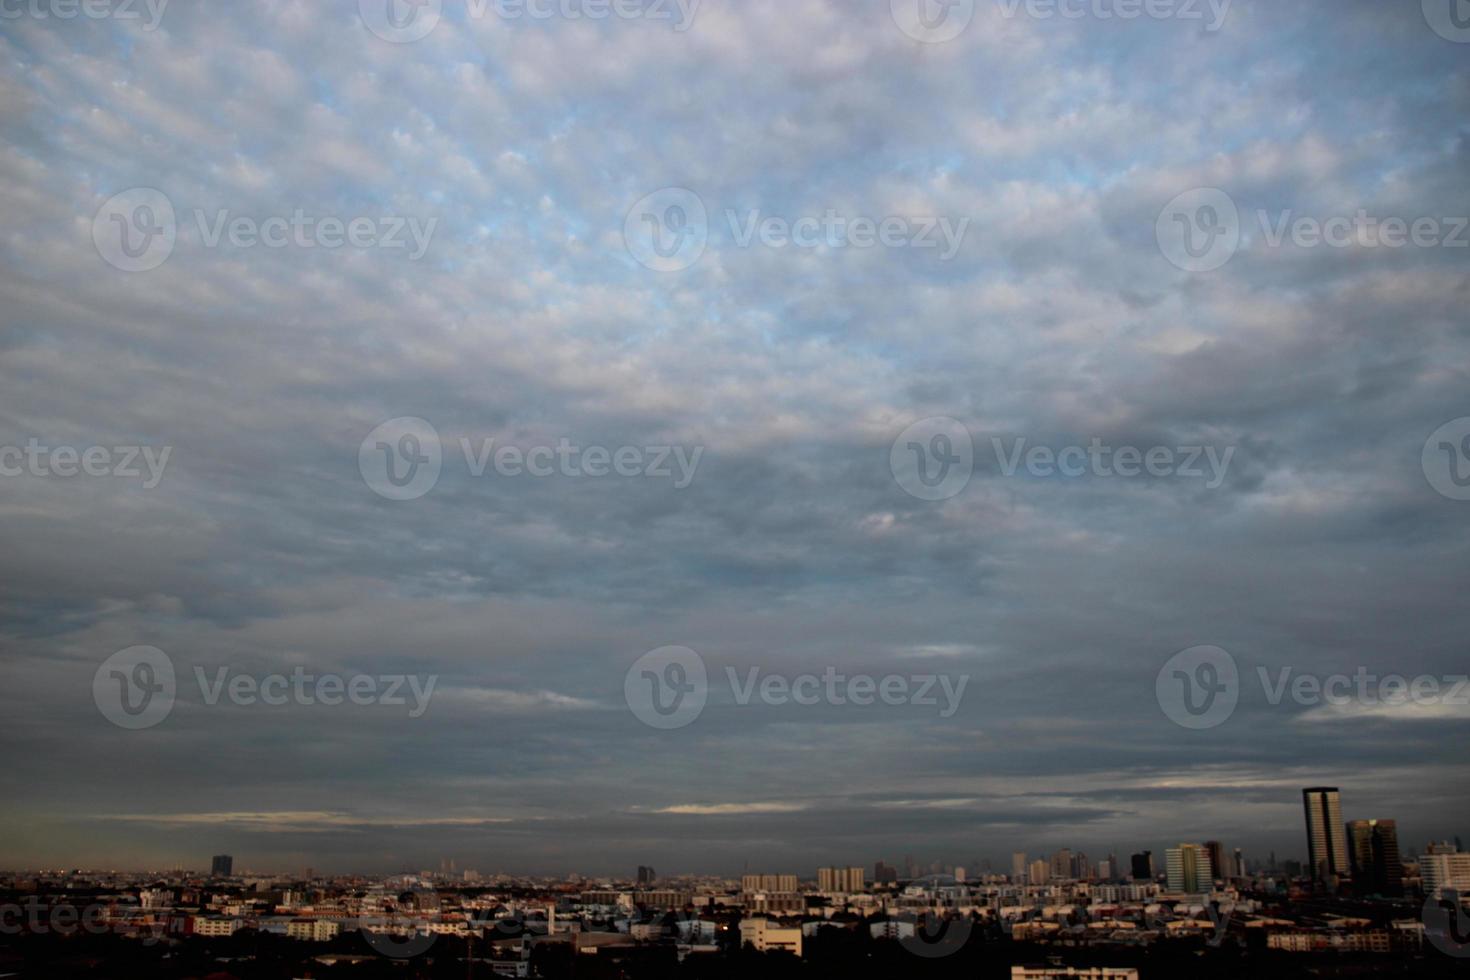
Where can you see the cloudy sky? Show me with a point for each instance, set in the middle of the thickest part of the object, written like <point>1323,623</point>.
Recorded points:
<point>538,309</point>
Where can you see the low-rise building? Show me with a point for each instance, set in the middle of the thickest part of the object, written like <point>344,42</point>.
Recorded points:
<point>765,935</point>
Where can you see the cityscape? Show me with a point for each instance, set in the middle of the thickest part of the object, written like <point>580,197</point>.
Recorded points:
<point>1355,904</point>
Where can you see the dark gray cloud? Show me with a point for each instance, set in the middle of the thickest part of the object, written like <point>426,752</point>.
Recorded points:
<point>794,549</point>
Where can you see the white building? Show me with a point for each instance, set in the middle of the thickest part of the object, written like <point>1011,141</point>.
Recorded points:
<point>217,927</point>
<point>1440,870</point>
<point>313,930</point>
<point>766,935</point>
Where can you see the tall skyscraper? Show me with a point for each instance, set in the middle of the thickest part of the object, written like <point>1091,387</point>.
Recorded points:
<point>1374,849</point>
<point>1018,867</point>
<point>884,874</point>
<point>1039,872</point>
<point>1143,866</point>
<point>1189,871</point>
<point>1327,852</point>
<point>646,875</point>
<point>222,866</point>
<point>1061,864</point>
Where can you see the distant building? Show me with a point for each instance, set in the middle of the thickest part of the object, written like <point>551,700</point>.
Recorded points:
<point>768,883</point>
<point>1018,867</point>
<point>884,874</point>
<point>313,930</point>
<point>1040,872</point>
<point>1217,858</point>
<point>1188,869</point>
<point>646,875</point>
<point>1374,849</point>
<point>840,880</point>
<point>222,866</point>
<point>1143,866</point>
<point>1444,867</point>
<point>1061,864</point>
<point>766,935</point>
<point>217,927</point>
<point>1327,853</point>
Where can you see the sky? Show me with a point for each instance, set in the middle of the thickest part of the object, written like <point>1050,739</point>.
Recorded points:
<point>563,244</point>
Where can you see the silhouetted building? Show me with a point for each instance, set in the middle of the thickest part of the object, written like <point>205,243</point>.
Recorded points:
<point>222,866</point>
<point>646,875</point>
<point>1143,866</point>
<point>1217,858</point>
<point>1374,847</point>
